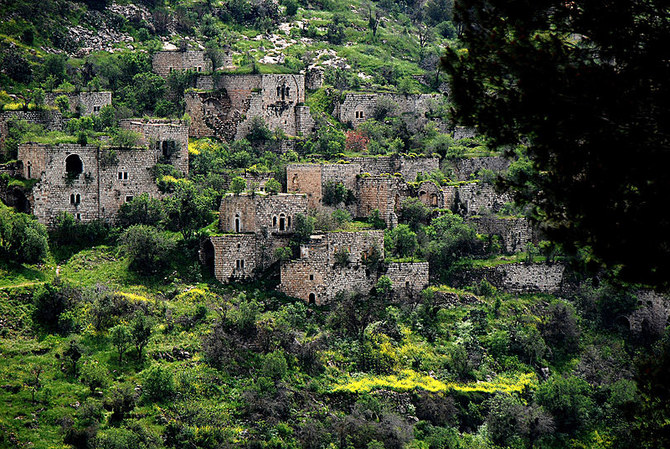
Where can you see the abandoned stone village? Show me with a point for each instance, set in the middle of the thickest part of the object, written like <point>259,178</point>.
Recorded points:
<point>92,181</point>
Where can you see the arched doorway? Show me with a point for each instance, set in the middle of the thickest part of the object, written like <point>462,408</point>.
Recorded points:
<point>73,166</point>
<point>312,298</point>
<point>207,256</point>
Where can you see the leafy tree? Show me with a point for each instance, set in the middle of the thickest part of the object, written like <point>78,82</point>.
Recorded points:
<point>272,186</point>
<point>401,240</point>
<point>121,339</point>
<point>188,209</point>
<point>94,375</point>
<point>376,220</point>
<point>140,332</point>
<point>63,104</point>
<point>259,131</point>
<point>583,84</point>
<point>448,239</point>
<point>413,212</point>
<point>142,210</point>
<point>569,401</point>
<point>158,384</point>
<point>149,251</point>
<point>335,30</point>
<point>237,185</point>
<point>303,227</point>
<point>51,302</point>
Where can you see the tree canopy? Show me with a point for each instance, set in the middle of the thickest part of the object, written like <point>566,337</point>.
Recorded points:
<point>584,86</point>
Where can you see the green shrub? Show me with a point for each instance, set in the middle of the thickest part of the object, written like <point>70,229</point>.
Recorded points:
<point>158,384</point>
<point>149,250</point>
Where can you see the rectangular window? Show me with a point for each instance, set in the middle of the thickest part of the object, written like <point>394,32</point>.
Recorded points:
<point>311,277</point>
<point>120,175</point>
<point>125,175</point>
<point>129,198</point>
<point>96,108</point>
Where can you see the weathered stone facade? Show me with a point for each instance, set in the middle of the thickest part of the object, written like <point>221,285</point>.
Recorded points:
<point>516,232</point>
<point>227,109</point>
<point>317,277</point>
<point>165,62</point>
<point>431,195</point>
<point>261,213</point>
<point>407,278</point>
<point>517,277</point>
<point>166,139</point>
<point>50,119</point>
<point>240,257</point>
<point>464,169</point>
<point>477,197</point>
<point>86,181</point>
<point>369,179</point>
<point>355,108</point>
<point>85,103</point>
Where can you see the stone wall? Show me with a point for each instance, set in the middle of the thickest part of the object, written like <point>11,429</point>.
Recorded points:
<point>408,278</point>
<point>165,62</point>
<point>108,179</point>
<point>314,78</point>
<point>356,107</point>
<point>431,195</point>
<point>517,277</point>
<point>515,232</point>
<point>380,192</point>
<point>408,167</point>
<point>255,213</point>
<point>316,277</point>
<point>86,103</point>
<point>477,197</point>
<point>305,178</point>
<point>50,119</point>
<point>464,168</point>
<point>227,110</point>
<point>166,139</point>
<point>234,256</point>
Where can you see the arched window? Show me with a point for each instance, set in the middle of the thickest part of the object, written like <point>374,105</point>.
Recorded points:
<point>289,222</point>
<point>274,221</point>
<point>73,166</point>
<point>312,298</point>
<point>282,222</point>
<point>238,224</point>
<point>287,91</point>
<point>77,199</point>
<point>30,166</point>
<point>72,198</point>
<point>278,91</point>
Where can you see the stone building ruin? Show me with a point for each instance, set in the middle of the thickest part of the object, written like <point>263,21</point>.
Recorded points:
<point>92,182</point>
<point>225,105</point>
<point>166,62</point>
<point>84,103</point>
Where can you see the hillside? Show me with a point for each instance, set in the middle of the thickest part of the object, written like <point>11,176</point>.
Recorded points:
<point>255,224</point>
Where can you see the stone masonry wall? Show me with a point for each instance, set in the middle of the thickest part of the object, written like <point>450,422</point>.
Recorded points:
<point>409,168</point>
<point>88,103</point>
<point>50,119</point>
<point>305,178</point>
<point>99,191</point>
<point>227,111</point>
<point>474,198</point>
<point>464,168</point>
<point>157,135</point>
<point>356,108</point>
<point>317,273</point>
<point>517,277</point>
<point>229,250</point>
<point>431,195</point>
<point>378,192</point>
<point>274,213</point>
<point>164,62</point>
<point>516,233</point>
<point>408,278</point>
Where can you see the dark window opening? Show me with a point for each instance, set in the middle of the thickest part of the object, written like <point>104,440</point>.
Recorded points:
<point>125,175</point>
<point>129,198</point>
<point>312,298</point>
<point>237,223</point>
<point>288,90</point>
<point>120,175</point>
<point>282,223</point>
<point>78,217</point>
<point>29,170</point>
<point>311,277</point>
<point>77,199</point>
<point>72,198</point>
<point>96,108</point>
<point>406,284</point>
<point>278,91</point>
<point>239,246</point>
<point>73,166</point>
<point>289,222</point>
<point>274,222</point>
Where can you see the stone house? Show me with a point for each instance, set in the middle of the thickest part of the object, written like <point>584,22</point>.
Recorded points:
<point>89,181</point>
<point>254,226</point>
<point>86,103</point>
<point>225,105</point>
<point>166,62</point>
<point>347,261</point>
<point>168,139</point>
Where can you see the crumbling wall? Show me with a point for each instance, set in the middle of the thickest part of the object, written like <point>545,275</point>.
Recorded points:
<point>305,178</point>
<point>165,62</point>
<point>465,168</point>
<point>516,232</point>
<point>477,197</point>
<point>407,278</point>
<point>379,192</point>
<point>167,140</point>
<point>517,277</point>
<point>50,119</point>
<point>408,167</point>
<point>317,273</point>
<point>255,213</point>
<point>86,103</point>
<point>431,194</point>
